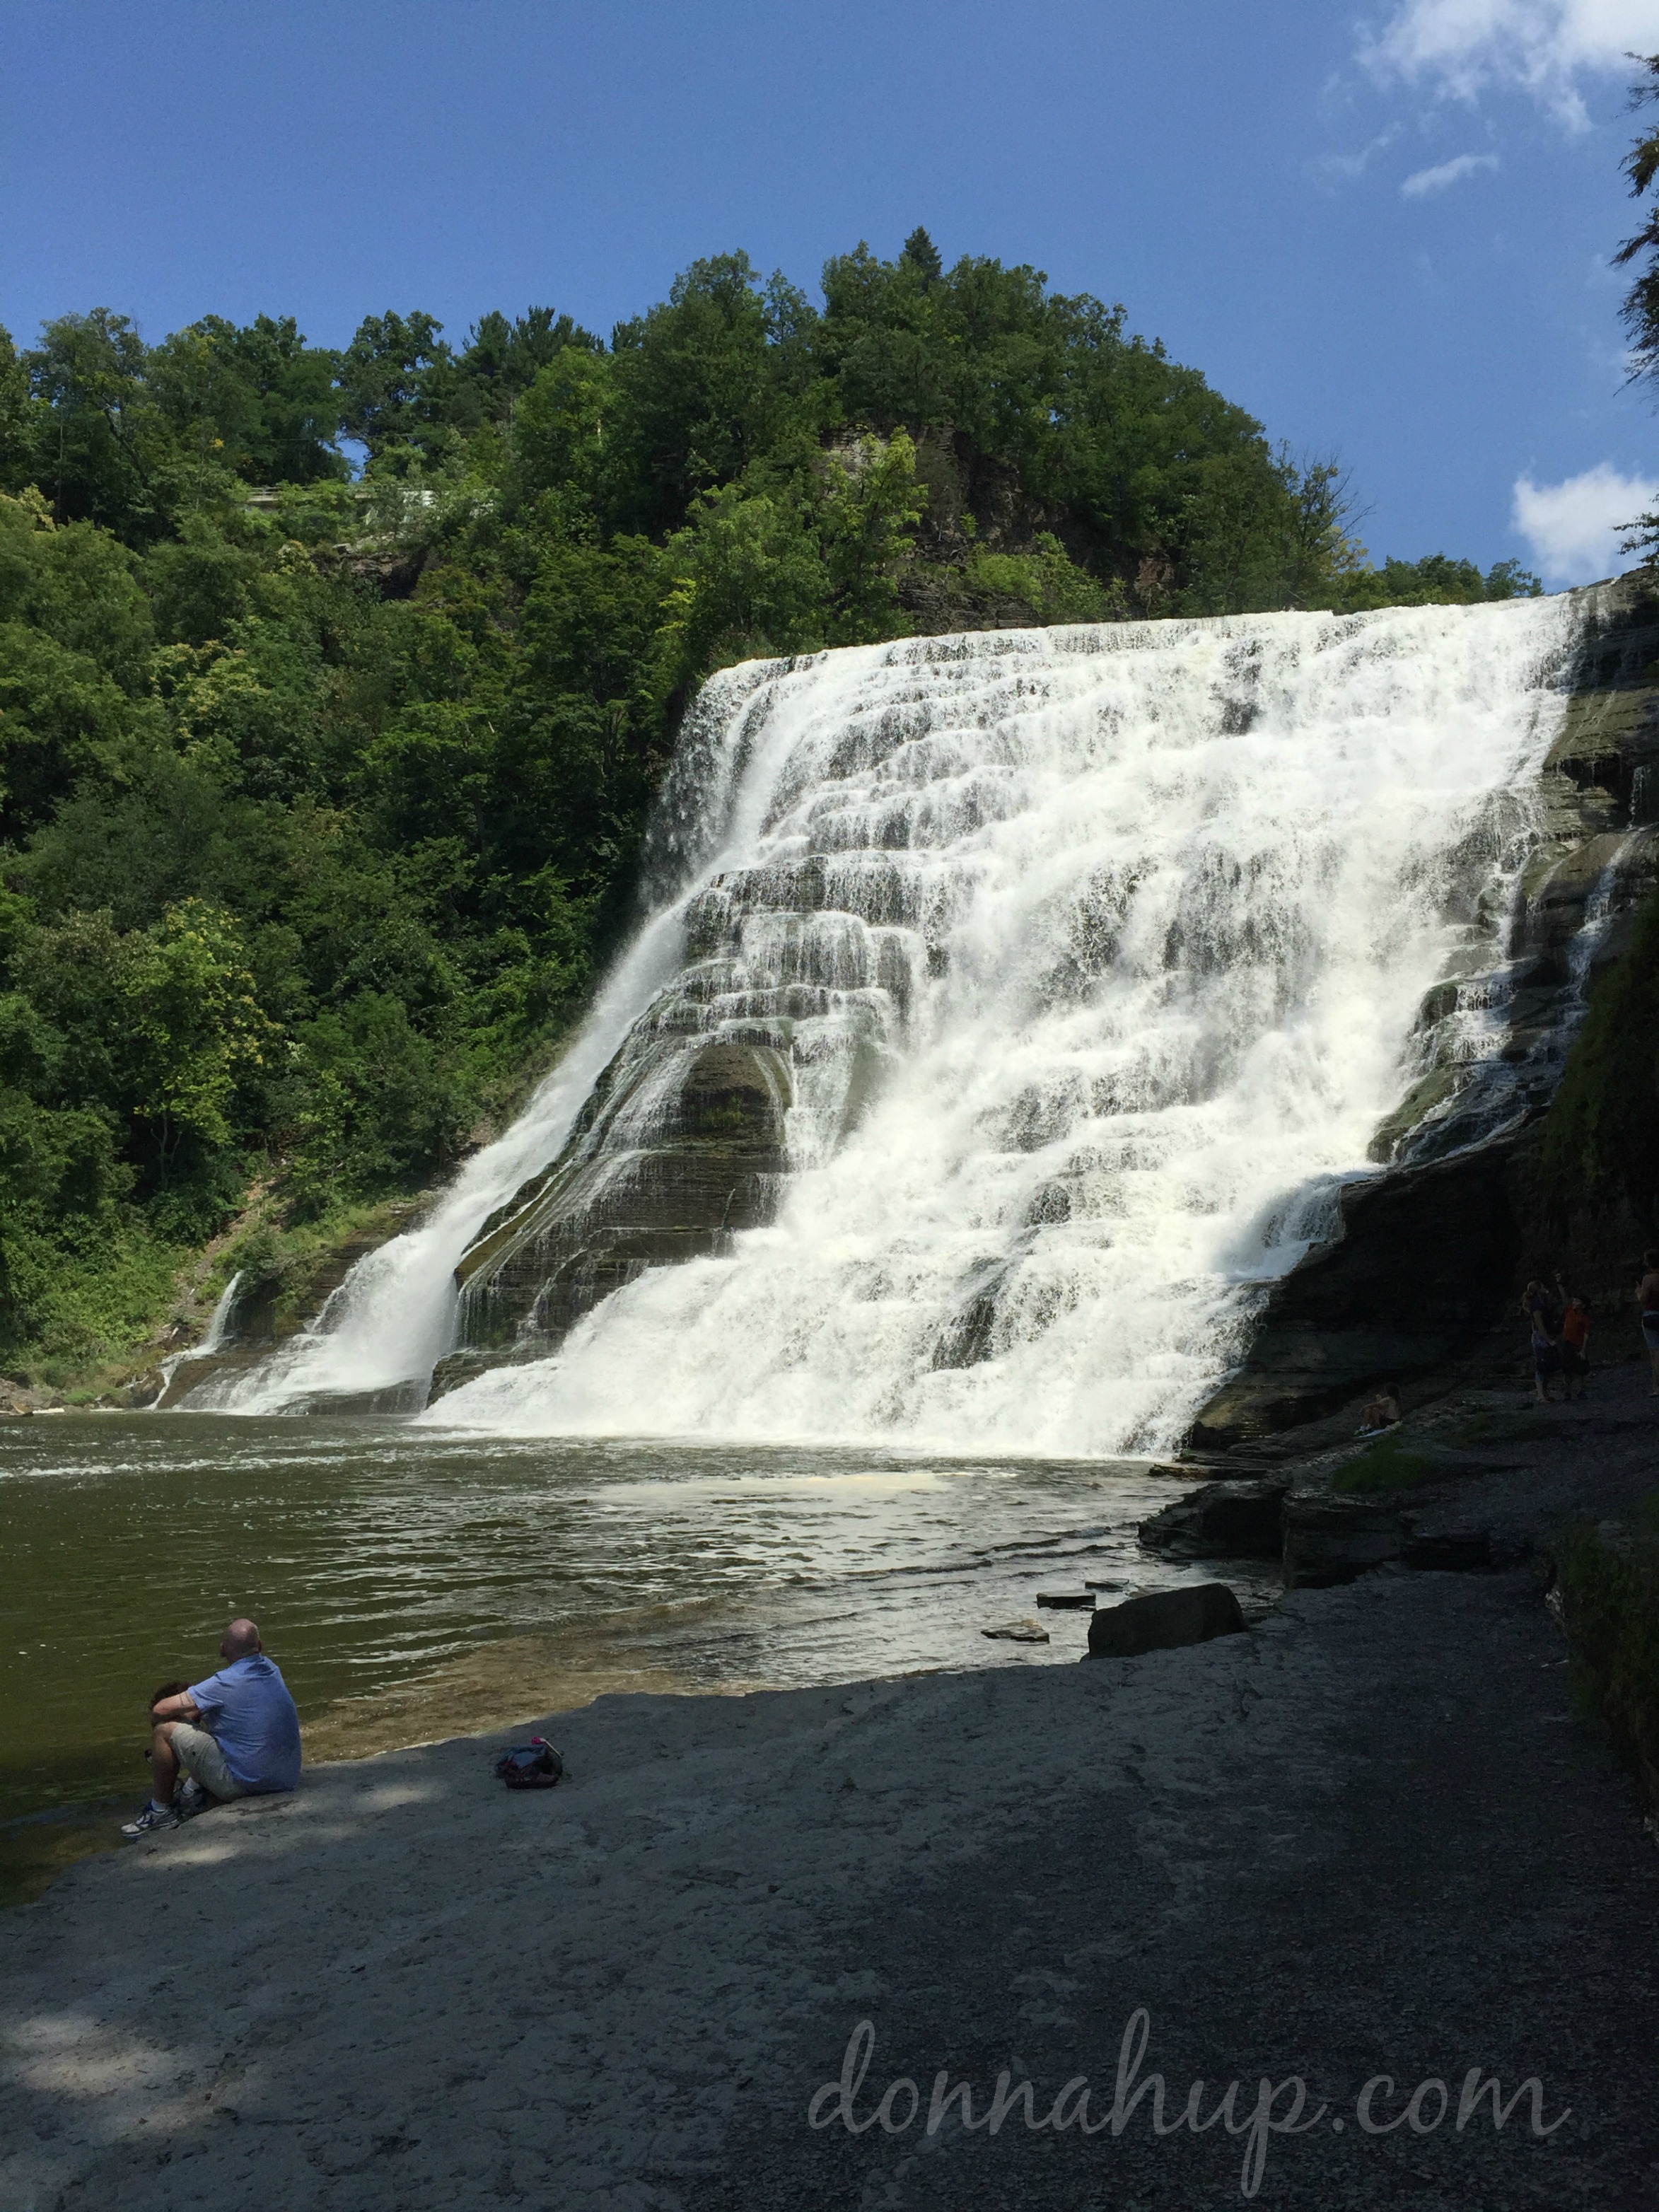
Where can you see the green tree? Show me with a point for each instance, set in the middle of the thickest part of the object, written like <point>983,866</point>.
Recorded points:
<point>256,399</point>
<point>503,359</point>
<point>1434,580</point>
<point>104,443</point>
<point>19,429</point>
<point>559,434</point>
<point>61,719</point>
<point>200,583</point>
<point>394,377</point>
<point>866,528</point>
<point>922,254</point>
<point>697,396</point>
<point>749,579</point>
<point>78,584</point>
<point>195,1025</point>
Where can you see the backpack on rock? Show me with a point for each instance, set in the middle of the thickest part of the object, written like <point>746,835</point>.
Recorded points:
<point>532,1765</point>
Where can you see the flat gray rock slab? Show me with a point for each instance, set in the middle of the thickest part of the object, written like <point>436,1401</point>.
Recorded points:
<point>1366,1838</point>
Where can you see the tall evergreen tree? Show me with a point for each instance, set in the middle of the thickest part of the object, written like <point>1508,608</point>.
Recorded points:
<point>922,254</point>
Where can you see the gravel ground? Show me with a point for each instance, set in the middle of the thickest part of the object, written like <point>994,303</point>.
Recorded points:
<point>1367,1837</point>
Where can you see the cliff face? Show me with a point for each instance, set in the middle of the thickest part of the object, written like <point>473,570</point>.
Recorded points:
<point>1432,1254</point>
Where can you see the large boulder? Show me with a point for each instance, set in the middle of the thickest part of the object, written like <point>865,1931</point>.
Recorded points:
<point>1163,1620</point>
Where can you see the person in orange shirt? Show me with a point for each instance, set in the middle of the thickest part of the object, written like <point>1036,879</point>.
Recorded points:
<point>1574,1342</point>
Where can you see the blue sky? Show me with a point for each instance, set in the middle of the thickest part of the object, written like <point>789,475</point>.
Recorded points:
<point>1387,234</point>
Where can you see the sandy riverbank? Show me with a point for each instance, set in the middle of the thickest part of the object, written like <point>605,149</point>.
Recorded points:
<point>1367,1837</point>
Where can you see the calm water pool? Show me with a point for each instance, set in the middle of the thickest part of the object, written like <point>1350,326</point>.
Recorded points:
<point>414,1585</point>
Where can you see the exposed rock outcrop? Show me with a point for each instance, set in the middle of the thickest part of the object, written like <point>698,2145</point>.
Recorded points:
<point>1221,1520</point>
<point>1413,1279</point>
<point>680,1145</point>
<point>1334,1540</point>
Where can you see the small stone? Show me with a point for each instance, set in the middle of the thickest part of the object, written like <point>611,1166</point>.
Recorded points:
<point>1018,1632</point>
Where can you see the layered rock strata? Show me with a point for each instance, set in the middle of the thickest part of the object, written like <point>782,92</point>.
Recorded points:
<point>680,1145</point>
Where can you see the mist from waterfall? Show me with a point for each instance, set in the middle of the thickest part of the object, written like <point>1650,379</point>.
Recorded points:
<point>1096,953</point>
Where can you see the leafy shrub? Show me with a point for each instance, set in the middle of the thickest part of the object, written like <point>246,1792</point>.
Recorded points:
<point>1608,1579</point>
<point>1389,1464</point>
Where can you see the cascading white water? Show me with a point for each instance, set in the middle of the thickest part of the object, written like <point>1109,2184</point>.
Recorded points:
<point>217,1328</point>
<point>1154,907</point>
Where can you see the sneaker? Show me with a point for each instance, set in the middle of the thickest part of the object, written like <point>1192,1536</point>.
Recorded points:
<point>190,1799</point>
<point>150,1821</point>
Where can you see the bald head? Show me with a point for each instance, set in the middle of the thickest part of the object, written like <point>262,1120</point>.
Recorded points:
<point>241,1638</point>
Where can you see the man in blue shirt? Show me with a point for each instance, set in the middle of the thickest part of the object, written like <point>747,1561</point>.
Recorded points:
<point>235,1734</point>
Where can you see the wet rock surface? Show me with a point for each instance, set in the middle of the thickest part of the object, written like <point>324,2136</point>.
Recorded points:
<point>1412,1283</point>
<point>679,1147</point>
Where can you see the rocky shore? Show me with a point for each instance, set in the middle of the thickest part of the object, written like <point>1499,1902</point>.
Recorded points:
<point>1369,1837</point>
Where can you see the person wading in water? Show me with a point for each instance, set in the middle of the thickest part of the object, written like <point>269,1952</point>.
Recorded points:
<point>234,1735</point>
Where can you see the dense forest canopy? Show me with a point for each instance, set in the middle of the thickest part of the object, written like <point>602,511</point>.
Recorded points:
<point>322,778</point>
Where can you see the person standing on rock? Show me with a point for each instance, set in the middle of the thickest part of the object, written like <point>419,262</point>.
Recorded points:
<point>1540,1313</point>
<point>1647,1305</point>
<point>234,1735</point>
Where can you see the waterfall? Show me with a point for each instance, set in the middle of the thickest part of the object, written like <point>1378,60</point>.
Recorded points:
<point>217,1328</point>
<point>1092,958</point>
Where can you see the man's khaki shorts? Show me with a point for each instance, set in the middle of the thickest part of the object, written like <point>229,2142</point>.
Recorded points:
<point>203,1760</point>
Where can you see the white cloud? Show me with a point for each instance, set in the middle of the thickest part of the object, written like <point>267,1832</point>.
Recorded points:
<point>1449,173</point>
<point>1574,527</point>
<point>1344,166</point>
<point>1462,46</point>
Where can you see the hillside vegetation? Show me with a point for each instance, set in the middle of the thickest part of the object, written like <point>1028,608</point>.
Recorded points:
<point>335,686</point>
